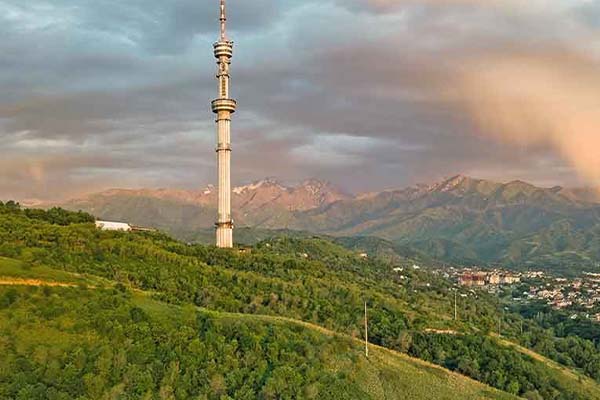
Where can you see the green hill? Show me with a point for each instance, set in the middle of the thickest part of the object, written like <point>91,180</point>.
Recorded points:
<point>106,343</point>
<point>123,280</point>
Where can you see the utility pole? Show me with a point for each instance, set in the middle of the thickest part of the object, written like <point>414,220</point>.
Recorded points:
<point>455,306</point>
<point>366,333</point>
<point>500,314</point>
<point>500,318</point>
<point>499,325</point>
<point>521,327</point>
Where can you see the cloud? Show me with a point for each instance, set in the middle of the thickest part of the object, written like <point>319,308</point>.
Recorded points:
<point>515,6</point>
<point>549,98</point>
<point>103,93</point>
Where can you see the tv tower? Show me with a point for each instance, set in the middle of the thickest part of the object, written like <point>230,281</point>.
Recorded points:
<point>223,107</point>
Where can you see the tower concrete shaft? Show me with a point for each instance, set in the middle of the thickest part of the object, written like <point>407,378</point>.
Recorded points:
<point>224,107</point>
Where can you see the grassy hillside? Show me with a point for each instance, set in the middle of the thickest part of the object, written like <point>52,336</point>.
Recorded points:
<point>309,280</point>
<point>107,343</point>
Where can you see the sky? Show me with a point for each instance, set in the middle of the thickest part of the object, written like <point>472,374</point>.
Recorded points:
<point>368,94</point>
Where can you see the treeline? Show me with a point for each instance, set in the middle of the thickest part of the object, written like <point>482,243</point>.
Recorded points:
<point>54,215</point>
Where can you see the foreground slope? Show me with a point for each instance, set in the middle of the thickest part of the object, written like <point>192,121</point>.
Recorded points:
<point>311,280</point>
<point>109,343</point>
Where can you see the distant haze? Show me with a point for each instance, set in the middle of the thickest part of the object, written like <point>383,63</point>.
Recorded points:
<point>367,94</point>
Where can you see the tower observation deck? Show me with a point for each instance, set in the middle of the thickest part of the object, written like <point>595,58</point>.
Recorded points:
<point>223,106</point>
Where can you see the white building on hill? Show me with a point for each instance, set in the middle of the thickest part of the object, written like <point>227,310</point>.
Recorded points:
<point>113,226</point>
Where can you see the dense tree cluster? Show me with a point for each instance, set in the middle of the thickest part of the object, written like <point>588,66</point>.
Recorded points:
<point>573,342</point>
<point>93,344</point>
<point>480,358</point>
<point>54,215</point>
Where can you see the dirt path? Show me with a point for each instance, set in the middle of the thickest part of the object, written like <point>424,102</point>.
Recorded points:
<point>32,282</point>
<point>442,331</point>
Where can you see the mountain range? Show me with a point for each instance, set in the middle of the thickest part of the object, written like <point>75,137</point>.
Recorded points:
<point>459,219</point>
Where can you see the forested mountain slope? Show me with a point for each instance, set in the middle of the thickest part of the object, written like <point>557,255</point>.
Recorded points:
<point>460,219</point>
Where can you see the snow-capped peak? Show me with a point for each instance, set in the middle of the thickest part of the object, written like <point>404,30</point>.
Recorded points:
<point>256,185</point>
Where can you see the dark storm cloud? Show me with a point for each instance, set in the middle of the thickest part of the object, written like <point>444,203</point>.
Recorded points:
<point>110,93</point>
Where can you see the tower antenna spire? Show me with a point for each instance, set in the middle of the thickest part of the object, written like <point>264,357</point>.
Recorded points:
<point>223,20</point>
